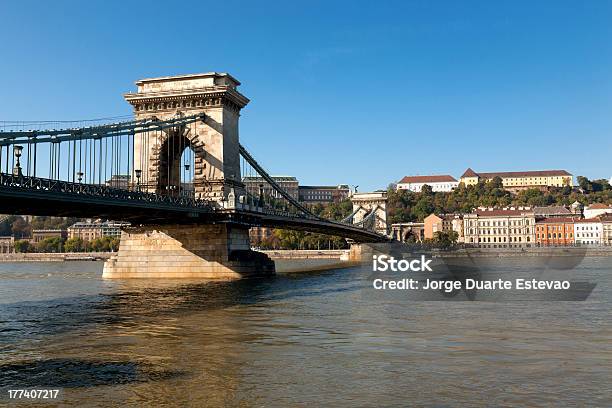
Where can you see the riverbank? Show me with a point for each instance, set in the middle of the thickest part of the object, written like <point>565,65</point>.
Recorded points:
<point>522,252</point>
<point>58,257</point>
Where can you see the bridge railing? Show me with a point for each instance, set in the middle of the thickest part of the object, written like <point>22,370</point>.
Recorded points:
<point>21,182</point>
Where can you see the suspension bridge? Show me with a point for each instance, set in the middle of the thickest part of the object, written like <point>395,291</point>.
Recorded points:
<point>174,172</point>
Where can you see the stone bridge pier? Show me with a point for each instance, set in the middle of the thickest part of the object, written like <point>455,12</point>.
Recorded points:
<point>219,251</point>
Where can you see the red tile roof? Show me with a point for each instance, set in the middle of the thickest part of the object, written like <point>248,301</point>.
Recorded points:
<point>469,173</point>
<point>497,212</point>
<point>507,174</point>
<point>427,179</point>
<point>557,220</point>
<point>598,206</point>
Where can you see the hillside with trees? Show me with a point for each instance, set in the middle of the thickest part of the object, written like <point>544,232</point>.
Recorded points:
<point>407,206</point>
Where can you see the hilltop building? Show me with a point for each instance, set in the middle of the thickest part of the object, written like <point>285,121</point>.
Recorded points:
<point>521,180</point>
<point>438,183</point>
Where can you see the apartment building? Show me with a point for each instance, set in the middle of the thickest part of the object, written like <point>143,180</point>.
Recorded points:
<point>88,231</point>
<point>588,231</point>
<point>555,231</point>
<point>443,223</point>
<point>500,227</point>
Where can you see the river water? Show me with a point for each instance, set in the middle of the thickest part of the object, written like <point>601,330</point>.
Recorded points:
<point>308,339</point>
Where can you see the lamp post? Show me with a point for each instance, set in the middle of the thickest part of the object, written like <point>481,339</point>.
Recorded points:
<point>138,174</point>
<point>261,195</point>
<point>17,169</point>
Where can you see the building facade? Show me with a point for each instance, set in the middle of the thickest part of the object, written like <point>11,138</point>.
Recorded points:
<point>443,223</point>
<point>500,227</point>
<point>606,226</point>
<point>323,194</point>
<point>555,231</point>
<point>7,245</point>
<point>408,231</point>
<point>438,183</point>
<point>521,180</point>
<point>254,185</point>
<point>588,231</point>
<point>88,231</point>
<point>42,234</point>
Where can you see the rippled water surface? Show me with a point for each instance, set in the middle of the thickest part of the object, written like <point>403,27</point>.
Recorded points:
<point>309,339</point>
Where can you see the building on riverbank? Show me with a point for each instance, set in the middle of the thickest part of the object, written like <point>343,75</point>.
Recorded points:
<point>408,231</point>
<point>500,227</point>
<point>555,231</point>
<point>7,245</point>
<point>39,235</point>
<point>91,230</point>
<point>588,231</point>
<point>443,223</point>
<point>606,226</point>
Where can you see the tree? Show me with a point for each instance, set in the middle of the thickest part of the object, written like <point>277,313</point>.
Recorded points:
<point>74,245</point>
<point>22,246</point>
<point>20,228</point>
<point>445,239</point>
<point>50,245</point>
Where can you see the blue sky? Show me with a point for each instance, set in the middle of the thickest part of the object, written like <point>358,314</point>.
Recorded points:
<point>341,92</point>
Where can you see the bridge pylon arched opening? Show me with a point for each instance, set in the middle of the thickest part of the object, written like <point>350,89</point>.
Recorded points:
<point>176,163</point>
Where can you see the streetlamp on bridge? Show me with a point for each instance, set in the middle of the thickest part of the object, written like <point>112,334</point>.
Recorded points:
<point>17,169</point>
<point>138,174</point>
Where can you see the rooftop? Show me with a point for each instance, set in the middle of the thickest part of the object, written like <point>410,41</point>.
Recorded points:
<point>507,211</point>
<point>557,220</point>
<point>555,209</point>
<point>599,206</point>
<point>512,174</point>
<point>427,179</point>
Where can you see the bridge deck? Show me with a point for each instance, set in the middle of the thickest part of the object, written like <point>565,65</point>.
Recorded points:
<point>36,196</point>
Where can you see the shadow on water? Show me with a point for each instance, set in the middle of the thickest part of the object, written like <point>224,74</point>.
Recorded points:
<point>80,373</point>
<point>156,299</point>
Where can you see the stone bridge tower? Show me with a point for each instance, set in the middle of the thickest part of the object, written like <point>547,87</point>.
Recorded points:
<point>209,251</point>
<point>214,142</point>
<point>365,203</point>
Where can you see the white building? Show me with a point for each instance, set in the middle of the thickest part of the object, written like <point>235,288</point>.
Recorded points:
<point>596,209</point>
<point>588,231</point>
<point>442,183</point>
<point>606,221</point>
